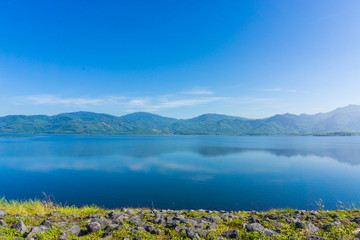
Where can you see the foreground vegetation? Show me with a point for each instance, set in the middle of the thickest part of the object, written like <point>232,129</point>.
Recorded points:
<point>45,220</point>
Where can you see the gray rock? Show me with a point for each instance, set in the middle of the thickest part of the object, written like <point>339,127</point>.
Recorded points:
<point>190,222</point>
<point>169,218</point>
<point>290,220</point>
<point>129,212</point>
<point>75,215</point>
<point>46,223</point>
<point>135,230</point>
<point>172,224</point>
<point>156,231</point>
<point>179,218</point>
<point>74,230</point>
<point>180,228</point>
<point>95,215</point>
<point>211,226</point>
<point>315,213</point>
<point>108,231</point>
<point>118,220</point>
<point>3,223</point>
<point>311,228</point>
<point>278,224</point>
<point>328,226</point>
<point>2,214</point>
<point>215,219</point>
<point>159,221</point>
<point>148,227</point>
<point>254,227</point>
<point>211,219</point>
<point>93,227</point>
<point>36,230</point>
<point>137,238</point>
<point>112,227</point>
<point>357,233</point>
<point>310,217</point>
<point>270,233</point>
<point>315,238</point>
<point>63,236</point>
<point>57,214</point>
<point>62,225</point>
<point>203,232</point>
<point>20,226</point>
<point>103,221</point>
<point>299,225</point>
<point>114,215</point>
<point>230,234</point>
<point>272,217</point>
<point>253,220</point>
<point>192,234</point>
<point>136,220</point>
<point>356,220</point>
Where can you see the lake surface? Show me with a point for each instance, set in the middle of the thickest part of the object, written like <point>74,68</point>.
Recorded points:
<point>182,172</point>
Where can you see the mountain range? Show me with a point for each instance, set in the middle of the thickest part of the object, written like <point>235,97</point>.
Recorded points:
<point>345,119</point>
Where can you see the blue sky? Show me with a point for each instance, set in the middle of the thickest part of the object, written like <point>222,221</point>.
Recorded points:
<point>179,58</point>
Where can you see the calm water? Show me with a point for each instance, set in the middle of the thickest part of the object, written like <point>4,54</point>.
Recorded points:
<point>182,172</point>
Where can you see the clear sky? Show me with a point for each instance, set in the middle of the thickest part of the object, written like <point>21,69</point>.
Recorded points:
<point>179,58</point>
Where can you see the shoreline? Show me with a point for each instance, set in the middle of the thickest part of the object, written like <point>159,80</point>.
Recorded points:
<point>340,134</point>
<point>45,220</point>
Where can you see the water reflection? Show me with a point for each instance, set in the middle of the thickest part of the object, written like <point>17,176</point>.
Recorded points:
<point>182,172</point>
<point>342,154</point>
<point>188,154</point>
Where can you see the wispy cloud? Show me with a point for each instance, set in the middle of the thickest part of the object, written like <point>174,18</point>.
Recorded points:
<point>245,100</point>
<point>198,91</point>
<point>156,104</point>
<point>277,90</point>
<point>48,99</point>
<point>127,103</point>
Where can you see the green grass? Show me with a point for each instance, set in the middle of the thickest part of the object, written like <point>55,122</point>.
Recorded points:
<point>33,212</point>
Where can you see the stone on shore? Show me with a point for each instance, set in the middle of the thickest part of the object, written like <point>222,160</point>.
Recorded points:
<point>36,230</point>
<point>74,230</point>
<point>231,234</point>
<point>2,214</point>
<point>93,227</point>
<point>311,228</point>
<point>356,220</point>
<point>270,233</point>
<point>254,227</point>
<point>3,223</point>
<point>315,238</point>
<point>20,226</point>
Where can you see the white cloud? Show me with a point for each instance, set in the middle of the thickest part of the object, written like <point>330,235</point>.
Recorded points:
<point>156,104</point>
<point>278,90</point>
<point>246,100</point>
<point>127,103</point>
<point>48,99</point>
<point>186,102</point>
<point>198,91</point>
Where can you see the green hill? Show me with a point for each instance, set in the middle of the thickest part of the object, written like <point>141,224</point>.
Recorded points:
<point>346,119</point>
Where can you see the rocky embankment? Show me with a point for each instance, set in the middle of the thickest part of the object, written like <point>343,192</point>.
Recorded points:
<point>183,224</point>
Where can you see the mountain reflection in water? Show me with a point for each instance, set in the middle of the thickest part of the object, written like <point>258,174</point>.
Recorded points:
<point>182,171</point>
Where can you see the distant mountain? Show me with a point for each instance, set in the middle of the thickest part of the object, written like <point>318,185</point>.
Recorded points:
<point>346,119</point>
